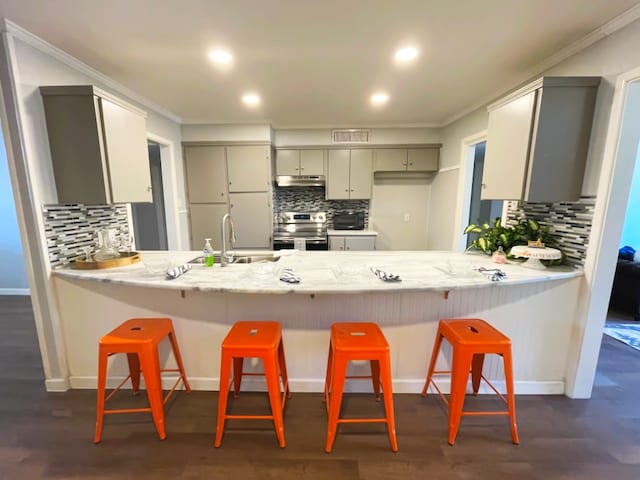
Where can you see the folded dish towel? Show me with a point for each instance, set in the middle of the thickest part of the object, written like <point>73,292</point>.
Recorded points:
<point>385,276</point>
<point>289,276</point>
<point>175,272</point>
<point>493,274</point>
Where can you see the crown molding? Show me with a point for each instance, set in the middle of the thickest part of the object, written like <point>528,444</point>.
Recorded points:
<point>33,40</point>
<point>326,126</point>
<point>612,26</point>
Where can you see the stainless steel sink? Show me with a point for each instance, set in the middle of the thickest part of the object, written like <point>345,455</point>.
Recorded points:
<point>239,259</point>
<point>255,259</point>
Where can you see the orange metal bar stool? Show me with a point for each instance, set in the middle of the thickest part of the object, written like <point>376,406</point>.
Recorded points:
<point>260,339</point>
<point>139,339</point>
<point>471,339</point>
<point>358,341</point>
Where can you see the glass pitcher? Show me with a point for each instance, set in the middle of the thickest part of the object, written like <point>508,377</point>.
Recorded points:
<point>107,248</point>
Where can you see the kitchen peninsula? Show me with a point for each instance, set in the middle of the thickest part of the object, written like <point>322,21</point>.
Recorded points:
<point>535,308</point>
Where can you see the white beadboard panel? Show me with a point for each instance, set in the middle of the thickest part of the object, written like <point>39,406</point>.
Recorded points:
<point>537,317</point>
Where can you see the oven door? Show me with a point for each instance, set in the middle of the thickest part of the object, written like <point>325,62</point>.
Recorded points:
<point>314,243</point>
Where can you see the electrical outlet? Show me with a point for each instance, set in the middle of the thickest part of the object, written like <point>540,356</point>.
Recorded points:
<point>407,217</point>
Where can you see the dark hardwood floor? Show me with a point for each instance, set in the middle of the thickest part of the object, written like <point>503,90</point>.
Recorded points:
<point>49,436</point>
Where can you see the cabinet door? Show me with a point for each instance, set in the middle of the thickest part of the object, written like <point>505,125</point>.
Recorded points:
<point>423,159</point>
<point>288,162</point>
<point>206,174</point>
<point>336,243</point>
<point>125,144</point>
<point>360,243</point>
<point>248,168</point>
<point>311,162</point>
<point>507,153</point>
<point>252,219</point>
<point>390,160</point>
<point>337,187</point>
<point>206,220</point>
<point>361,171</point>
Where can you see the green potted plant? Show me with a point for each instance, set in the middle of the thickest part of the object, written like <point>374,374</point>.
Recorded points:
<point>496,235</point>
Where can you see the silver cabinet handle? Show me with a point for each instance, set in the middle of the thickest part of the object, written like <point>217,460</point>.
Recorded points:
<point>351,190</point>
<point>149,188</point>
<point>346,189</point>
<point>222,194</point>
<point>348,248</point>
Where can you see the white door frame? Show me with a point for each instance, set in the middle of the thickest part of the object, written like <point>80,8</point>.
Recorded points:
<point>618,161</point>
<point>465,182</point>
<point>170,190</point>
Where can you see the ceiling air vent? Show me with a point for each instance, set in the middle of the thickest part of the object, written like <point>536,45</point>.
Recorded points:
<point>350,136</point>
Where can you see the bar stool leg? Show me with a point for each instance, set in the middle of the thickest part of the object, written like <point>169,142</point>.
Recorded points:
<point>375,377</point>
<point>134,371</point>
<point>151,371</point>
<point>338,373</point>
<point>476,371</point>
<point>225,369</point>
<point>273,386</point>
<point>508,376</point>
<point>387,388</point>
<point>238,363</point>
<point>178,357</point>
<point>459,378</point>
<point>327,377</point>
<point>102,382</point>
<point>283,369</point>
<point>432,363</point>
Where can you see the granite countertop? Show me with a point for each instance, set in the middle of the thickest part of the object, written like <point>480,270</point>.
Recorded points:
<point>352,233</point>
<point>321,272</point>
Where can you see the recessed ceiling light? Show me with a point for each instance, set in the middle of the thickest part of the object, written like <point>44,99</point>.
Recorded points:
<point>220,56</point>
<point>251,99</point>
<point>379,98</point>
<point>406,54</point>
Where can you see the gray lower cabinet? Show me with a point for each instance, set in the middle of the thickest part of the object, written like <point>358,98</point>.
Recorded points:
<point>347,242</point>
<point>538,140</point>
<point>349,173</point>
<point>252,219</point>
<point>98,146</point>
<point>205,220</point>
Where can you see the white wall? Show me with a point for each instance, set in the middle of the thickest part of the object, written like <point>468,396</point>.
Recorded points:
<point>379,136</point>
<point>226,133</point>
<point>13,276</point>
<point>28,63</point>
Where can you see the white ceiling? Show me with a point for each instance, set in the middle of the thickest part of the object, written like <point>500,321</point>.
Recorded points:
<point>314,62</point>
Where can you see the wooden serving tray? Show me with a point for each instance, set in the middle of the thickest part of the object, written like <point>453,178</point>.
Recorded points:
<point>124,259</point>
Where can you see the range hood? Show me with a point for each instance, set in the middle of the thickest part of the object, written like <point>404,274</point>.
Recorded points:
<point>300,180</point>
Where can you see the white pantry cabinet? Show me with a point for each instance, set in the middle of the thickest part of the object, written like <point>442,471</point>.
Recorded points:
<point>538,141</point>
<point>98,146</point>
<point>206,172</point>
<point>249,168</point>
<point>252,219</point>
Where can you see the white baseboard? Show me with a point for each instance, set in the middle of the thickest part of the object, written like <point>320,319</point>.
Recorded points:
<point>57,385</point>
<point>317,385</point>
<point>15,291</point>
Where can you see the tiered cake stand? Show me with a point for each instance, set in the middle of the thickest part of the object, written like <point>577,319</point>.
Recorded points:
<point>535,255</point>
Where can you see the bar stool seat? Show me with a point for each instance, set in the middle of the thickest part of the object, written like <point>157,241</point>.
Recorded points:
<point>471,339</point>
<point>257,339</point>
<point>358,341</point>
<point>139,339</point>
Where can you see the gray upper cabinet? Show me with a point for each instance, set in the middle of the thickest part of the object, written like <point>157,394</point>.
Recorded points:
<point>349,174</point>
<point>206,174</point>
<point>538,140</point>
<point>300,162</point>
<point>406,159</point>
<point>98,146</point>
<point>249,168</point>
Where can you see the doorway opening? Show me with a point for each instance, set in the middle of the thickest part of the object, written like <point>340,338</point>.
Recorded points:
<point>481,211</point>
<point>149,219</point>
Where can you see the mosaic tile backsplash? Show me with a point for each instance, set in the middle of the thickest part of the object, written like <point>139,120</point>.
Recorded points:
<point>69,228</point>
<point>570,223</point>
<point>311,199</point>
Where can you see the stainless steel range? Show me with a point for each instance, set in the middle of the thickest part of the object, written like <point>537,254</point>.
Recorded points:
<point>310,226</point>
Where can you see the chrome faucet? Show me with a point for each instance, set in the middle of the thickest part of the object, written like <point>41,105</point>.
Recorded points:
<point>226,258</point>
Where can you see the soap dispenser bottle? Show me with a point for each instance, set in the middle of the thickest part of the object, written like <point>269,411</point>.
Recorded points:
<point>207,253</point>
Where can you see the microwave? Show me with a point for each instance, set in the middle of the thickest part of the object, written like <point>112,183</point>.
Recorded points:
<point>348,221</point>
